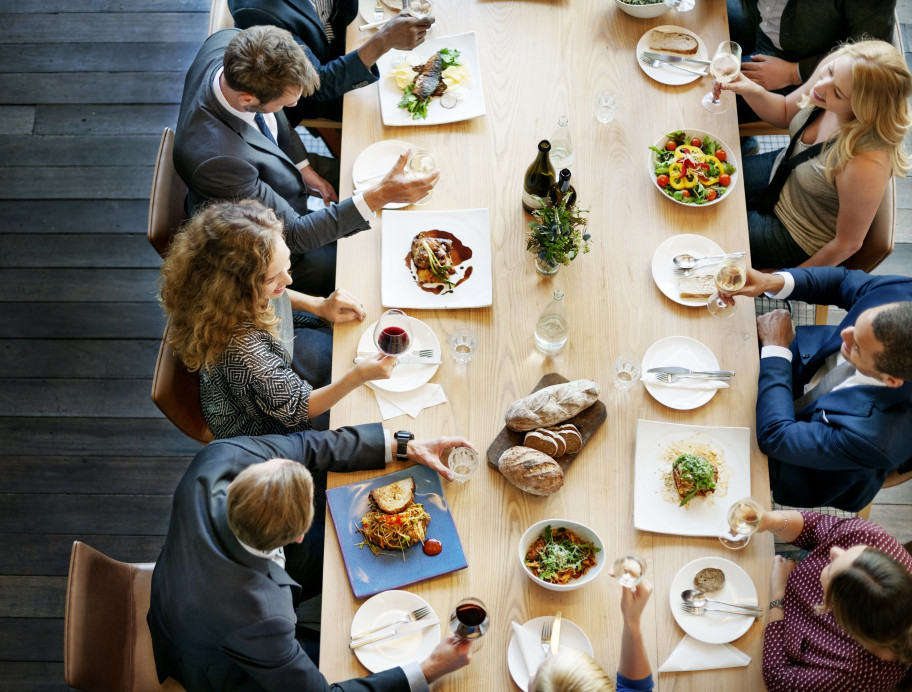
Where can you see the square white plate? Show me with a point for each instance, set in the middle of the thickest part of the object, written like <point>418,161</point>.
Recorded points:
<point>397,287</point>
<point>471,106</point>
<point>652,512</point>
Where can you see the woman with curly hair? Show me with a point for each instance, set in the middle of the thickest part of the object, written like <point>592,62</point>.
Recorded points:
<point>263,368</point>
<point>812,203</point>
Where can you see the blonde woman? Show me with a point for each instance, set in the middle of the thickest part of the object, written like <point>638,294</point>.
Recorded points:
<point>224,286</point>
<point>812,203</point>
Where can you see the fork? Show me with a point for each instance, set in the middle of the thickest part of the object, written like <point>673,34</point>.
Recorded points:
<point>416,614</point>
<point>378,11</point>
<point>660,63</point>
<point>668,377</point>
<point>546,635</point>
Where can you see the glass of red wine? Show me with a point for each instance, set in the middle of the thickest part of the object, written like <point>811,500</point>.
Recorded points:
<point>392,335</point>
<point>469,620</point>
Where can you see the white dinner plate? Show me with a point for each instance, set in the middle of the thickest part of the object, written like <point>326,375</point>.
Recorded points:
<point>405,377</point>
<point>571,636</point>
<point>384,608</point>
<point>366,10</point>
<point>472,105</point>
<point>656,509</point>
<point>714,627</point>
<point>669,75</point>
<point>684,352</point>
<point>663,269</point>
<point>375,161</point>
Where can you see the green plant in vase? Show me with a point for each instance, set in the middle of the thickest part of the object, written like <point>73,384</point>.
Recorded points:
<point>557,235</point>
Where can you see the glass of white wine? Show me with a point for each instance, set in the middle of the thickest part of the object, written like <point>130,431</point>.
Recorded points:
<point>729,277</point>
<point>725,66</point>
<point>681,5</point>
<point>419,9</point>
<point>743,521</point>
<point>629,570</point>
<point>421,162</point>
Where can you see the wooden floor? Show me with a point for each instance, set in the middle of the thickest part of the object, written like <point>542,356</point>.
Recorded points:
<point>85,90</point>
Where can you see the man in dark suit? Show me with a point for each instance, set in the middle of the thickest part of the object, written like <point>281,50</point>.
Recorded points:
<point>320,30</point>
<point>222,612</point>
<point>834,404</point>
<point>233,142</point>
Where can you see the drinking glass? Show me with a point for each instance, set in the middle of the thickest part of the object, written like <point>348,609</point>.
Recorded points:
<point>626,372</point>
<point>462,461</point>
<point>629,570</point>
<point>462,343</point>
<point>725,66</point>
<point>392,335</point>
<point>606,106</point>
<point>469,620</point>
<point>743,521</point>
<point>419,9</point>
<point>681,5</point>
<point>421,162</point>
<point>730,276</point>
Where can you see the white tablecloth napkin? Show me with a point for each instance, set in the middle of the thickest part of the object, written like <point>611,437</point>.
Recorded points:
<point>394,404</point>
<point>529,647</point>
<point>692,654</point>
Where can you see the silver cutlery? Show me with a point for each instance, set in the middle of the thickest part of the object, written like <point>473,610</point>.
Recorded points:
<point>684,372</point>
<point>546,636</point>
<point>659,63</point>
<point>416,614</point>
<point>682,266</point>
<point>669,378</point>
<point>673,58</point>
<point>401,631</point>
<point>702,610</point>
<point>695,598</point>
<point>555,633</point>
<point>421,353</point>
<point>406,360</point>
<point>378,10</point>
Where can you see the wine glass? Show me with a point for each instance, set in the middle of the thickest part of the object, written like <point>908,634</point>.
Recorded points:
<point>629,570</point>
<point>725,66</point>
<point>730,277</point>
<point>419,9</point>
<point>681,5</point>
<point>421,162</point>
<point>392,335</point>
<point>469,620</point>
<point>743,521</point>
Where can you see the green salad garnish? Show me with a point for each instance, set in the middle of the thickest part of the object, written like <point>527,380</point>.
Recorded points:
<point>696,471</point>
<point>560,555</point>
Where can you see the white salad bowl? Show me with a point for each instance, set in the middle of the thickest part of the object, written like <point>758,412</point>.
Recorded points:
<point>581,530</point>
<point>644,11</point>
<point>702,134</point>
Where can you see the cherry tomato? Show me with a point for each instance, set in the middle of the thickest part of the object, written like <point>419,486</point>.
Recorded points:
<point>671,146</point>
<point>721,155</point>
<point>685,193</point>
<point>710,195</point>
<point>695,142</point>
<point>662,180</point>
<point>725,180</point>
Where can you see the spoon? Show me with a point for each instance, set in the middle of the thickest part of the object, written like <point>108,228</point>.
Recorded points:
<point>696,599</point>
<point>686,261</point>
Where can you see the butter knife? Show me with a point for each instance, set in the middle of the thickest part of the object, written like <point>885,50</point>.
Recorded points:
<point>675,370</point>
<point>555,634</point>
<point>402,630</point>
<point>408,360</point>
<point>674,58</point>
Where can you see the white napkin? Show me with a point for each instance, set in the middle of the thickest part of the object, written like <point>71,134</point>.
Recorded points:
<point>394,404</point>
<point>692,654</point>
<point>529,647</point>
<point>684,383</point>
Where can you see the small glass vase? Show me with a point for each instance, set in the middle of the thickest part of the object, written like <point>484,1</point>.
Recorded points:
<point>545,267</point>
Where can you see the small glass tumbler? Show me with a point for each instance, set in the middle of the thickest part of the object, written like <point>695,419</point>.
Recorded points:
<point>462,343</point>
<point>626,372</point>
<point>462,461</point>
<point>606,106</point>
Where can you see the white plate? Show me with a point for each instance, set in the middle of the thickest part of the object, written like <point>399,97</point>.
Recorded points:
<point>663,269</point>
<point>398,288</point>
<point>714,627</point>
<point>685,352</point>
<point>690,134</point>
<point>387,607</point>
<point>571,636</point>
<point>652,511</point>
<point>376,160</point>
<point>366,10</point>
<point>472,104</point>
<point>405,377</point>
<point>669,75</point>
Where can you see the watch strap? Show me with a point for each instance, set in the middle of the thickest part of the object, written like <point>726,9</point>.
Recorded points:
<point>403,437</point>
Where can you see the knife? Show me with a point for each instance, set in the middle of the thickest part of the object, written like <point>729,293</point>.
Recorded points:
<point>674,370</point>
<point>408,360</point>
<point>662,63</point>
<point>673,58</point>
<point>402,630</point>
<point>555,634</point>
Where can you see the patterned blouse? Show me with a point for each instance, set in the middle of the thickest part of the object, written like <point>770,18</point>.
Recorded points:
<point>806,652</point>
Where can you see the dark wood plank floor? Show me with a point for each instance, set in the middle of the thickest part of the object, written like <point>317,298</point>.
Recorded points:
<point>86,89</point>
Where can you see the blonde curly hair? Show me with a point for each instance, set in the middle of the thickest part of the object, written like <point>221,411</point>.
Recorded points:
<point>571,671</point>
<point>212,279</point>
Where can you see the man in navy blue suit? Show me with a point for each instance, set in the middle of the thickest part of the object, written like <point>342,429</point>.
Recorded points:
<point>834,404</point>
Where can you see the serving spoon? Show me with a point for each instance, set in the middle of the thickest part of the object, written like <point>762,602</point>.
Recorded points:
<point>696,599</point>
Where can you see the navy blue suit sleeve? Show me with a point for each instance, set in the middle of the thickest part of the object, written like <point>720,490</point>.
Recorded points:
<point>341,75</point>
<point>843,287</point>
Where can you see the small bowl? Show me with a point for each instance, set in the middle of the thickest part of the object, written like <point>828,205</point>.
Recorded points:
<point>581,530</point>
<point>702,134</point>
<point>643,11</point>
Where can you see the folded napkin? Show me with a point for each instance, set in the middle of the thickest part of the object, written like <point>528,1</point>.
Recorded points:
<point>684,383</point>
<point>530,648</point>
<point>394,404</point>
<point>692,654</point>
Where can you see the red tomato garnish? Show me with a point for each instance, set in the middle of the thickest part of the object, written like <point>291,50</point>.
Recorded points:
<point>671,146</point>
<point>685,193</point>
<point>710,195</point>
<point>662,180</point>
<point>720,154</point>
<point>725,180</point>
<point>695,142</point>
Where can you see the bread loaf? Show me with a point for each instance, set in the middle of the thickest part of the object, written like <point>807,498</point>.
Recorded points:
<point>673,42</point>
<point>551,405</point>
<point>531,471</point>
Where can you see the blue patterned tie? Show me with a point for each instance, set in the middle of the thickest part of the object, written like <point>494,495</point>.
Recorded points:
<point>264,128</point>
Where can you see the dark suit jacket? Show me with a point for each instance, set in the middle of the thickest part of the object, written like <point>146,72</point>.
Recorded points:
<point>838,450</point>
<point>221,157</point>
<point>222,618</point>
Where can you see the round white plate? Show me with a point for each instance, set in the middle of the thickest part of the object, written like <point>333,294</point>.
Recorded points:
<point>691,133</point>
<point>384,608</point>
<point>405,377</point>
<point>669,75</point>
<point>663,269</point>
<point>571,636</point>
<point>714,627</point>
<point>375,161</point>
<point>685,352</point>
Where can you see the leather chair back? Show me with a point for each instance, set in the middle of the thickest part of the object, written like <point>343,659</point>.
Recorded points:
<point>219,16</point>
<point>107,646</point>
<point>166,203</point>
<point>176,392</point>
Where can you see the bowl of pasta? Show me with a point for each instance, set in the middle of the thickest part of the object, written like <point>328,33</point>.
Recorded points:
<point>561,555</point>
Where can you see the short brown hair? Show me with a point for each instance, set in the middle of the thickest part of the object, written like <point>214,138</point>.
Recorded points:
<point>265,61</point>
<point>893,328</point>
<point>271,508</point>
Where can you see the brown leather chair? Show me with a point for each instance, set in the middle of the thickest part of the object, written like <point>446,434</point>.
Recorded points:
<point>176,392</point>
<point>107,646</point>
<point>166,203</point>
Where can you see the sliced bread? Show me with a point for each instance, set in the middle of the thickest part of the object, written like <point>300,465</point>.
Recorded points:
<point>395,497</point>
<point>542,442</point>
<point>673,42</point>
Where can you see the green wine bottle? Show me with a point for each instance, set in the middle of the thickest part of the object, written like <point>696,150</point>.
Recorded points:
<point>539,178</point>
<point>562,191</point>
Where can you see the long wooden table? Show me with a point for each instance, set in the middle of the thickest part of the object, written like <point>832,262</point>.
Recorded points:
<point>542,59</point>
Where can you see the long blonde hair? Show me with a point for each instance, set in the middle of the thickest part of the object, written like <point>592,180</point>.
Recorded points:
<point>212,279</point>
<point>571,671</point>
<point>881,88</point>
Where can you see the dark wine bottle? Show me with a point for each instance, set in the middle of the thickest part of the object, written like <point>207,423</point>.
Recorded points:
<point>539,178</point>
<point>562,190</point>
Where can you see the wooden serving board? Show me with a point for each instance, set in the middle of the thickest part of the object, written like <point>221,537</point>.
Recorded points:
<point>587,421</point>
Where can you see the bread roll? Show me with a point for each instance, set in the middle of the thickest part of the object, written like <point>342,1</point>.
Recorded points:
<point>551,405</point>
<point>531,471</point>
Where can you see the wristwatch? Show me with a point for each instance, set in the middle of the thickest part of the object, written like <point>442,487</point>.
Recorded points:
<point>776,604</point>
<point>402,440</point>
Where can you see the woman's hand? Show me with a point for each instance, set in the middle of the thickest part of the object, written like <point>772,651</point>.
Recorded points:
<point>341,306</point>
<point>377,366</point>
<point>633,601</point>
<point>782,568</point>
<point>742,85</point>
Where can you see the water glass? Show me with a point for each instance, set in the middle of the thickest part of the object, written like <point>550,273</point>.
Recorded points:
<point>462,343</point>
<point>421,162</point>
<point>629,570</point>
<point>462,461</point>
<point>626,372</point>
<point>606,106</point>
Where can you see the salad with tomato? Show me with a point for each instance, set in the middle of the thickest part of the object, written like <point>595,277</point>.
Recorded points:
<point>692,170</point>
